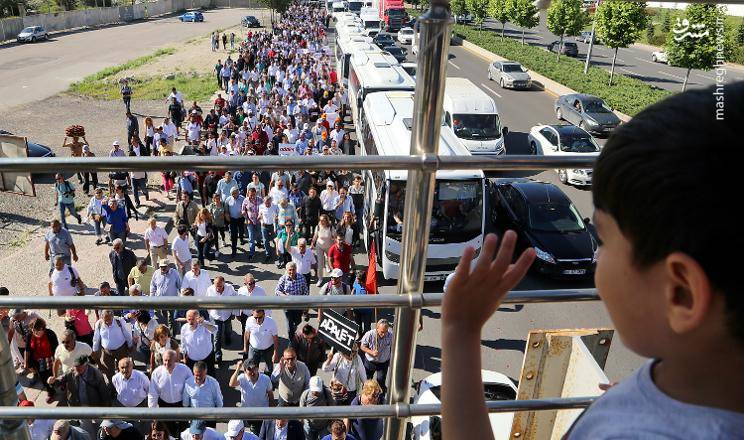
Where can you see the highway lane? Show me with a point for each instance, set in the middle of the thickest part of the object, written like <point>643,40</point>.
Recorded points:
<point>31,72</point>
<point>504,335</point>
<point>633,61</point>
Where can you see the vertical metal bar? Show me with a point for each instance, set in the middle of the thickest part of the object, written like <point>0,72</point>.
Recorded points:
<point>435,27</point>
<point>9,429</point>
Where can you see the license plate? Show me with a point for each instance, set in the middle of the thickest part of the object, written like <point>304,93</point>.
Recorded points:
<point>434,277</point>
<point>574,272</point>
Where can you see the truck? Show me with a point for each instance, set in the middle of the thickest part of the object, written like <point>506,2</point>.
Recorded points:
<point>393,14</point>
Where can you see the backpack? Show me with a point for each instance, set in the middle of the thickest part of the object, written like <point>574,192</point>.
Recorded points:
<point>68,190</point>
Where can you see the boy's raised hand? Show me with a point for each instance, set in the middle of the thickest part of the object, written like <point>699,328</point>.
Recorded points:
<point>474,294</point>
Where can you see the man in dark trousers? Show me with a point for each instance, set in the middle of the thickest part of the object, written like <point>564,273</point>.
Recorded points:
<point>126,94</point>
<point>132,127</point>
<point>122,261</point>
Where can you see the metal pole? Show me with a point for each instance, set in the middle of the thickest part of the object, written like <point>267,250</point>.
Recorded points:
<point>591,40</point>
<point>435,27</point>
<point>276,302</point>
<point>10,429</point>
<point>285,412</point>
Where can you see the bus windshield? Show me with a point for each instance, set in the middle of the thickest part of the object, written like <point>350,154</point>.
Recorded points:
<point>457,213</point>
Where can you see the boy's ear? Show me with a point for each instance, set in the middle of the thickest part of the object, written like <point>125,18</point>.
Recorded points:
<point>688,292</point>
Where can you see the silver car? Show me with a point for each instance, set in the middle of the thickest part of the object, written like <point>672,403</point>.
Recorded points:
<point>32,34</point>
<point>509,74</point>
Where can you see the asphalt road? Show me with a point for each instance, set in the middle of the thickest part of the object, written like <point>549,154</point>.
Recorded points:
<point>634,61</point>
<point>31,72</point>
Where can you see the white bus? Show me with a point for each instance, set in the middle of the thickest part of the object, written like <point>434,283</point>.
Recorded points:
<point>374,73</point>
<point>458,213</point>
<point>355,46</point>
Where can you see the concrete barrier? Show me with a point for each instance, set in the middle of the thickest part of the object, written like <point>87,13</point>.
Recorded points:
<point>540,81</point>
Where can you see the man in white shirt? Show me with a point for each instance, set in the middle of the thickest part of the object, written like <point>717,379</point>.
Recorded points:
<point>221,317</point>
<point>62,280</point>
<point>131,388</point>
<point>200,431</point>
<point>250,288</point>
<point>170,131</point>
<point>303,258</point>
<point>267,214</point>
<point>156,241</point>
<point>112,341</point>
<point>166,386</point>
<point>197,278</point>
<point>67,351</point>
<point>175,94</point>
<point>196,341</point>
<point>181,250</point>
<point>261,339</point>
<point>256,389</point>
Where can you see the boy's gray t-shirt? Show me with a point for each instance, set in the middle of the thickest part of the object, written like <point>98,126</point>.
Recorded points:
<point>637,409</point>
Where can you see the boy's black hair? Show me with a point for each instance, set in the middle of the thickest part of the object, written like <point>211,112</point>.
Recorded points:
<point>669,178</point>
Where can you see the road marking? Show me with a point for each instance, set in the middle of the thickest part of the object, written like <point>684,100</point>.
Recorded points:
<point>672,75</point>
<point>645,61</point>
<point>491,90</point>
<point>455,65</point>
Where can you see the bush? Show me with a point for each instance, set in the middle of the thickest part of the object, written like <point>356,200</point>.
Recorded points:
<point>627,95</point>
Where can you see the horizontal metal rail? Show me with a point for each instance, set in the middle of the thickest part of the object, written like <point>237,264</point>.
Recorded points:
<point>247,413</point>
<point>213,163</point>
<point>277,302</point>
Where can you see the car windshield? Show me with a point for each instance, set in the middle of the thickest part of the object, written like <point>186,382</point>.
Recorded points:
<point>395,13</point>
<point>555,217</point>
<point>394,50</point>
<point>355,7</point>
<point>568,44</point>
<point>512,68</point>
<point>578,143</point>
<point>476,126</point>
<point>27,30</point>
<point>370,24</point>
<point>457,212</point>
<point>406,31</point>
<point>596,106</point>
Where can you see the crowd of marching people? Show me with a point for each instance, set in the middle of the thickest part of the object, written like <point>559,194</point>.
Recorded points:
<point>279,96</point>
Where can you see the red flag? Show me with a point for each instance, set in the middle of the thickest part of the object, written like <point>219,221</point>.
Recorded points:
<point>371,284</point>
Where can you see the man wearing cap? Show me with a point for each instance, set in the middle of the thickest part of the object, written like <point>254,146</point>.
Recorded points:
<point>376,345</point>
<point>86,386</point>
<point>221,317</point>
<point>316,395</point>
<point>196,340</point>
<point>166,282</point>
<point>166,386</point>
<point>200,431</point>
<point>236,431</point>
<point>62,430</point>
<point>122,261</point>
<point>112,341</point>
<point>119,430</point>
<point>256,389</point>
<point>58,242</point>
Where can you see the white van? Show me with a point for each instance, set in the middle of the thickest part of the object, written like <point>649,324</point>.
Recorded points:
<point>371,21</point>
<point>472,115</point>
<point>339,7</point>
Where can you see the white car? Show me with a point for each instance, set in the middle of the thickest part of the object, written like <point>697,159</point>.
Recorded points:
<point>405,35</point>
<point>496,386</point>
<point>562,140</point>
<point>32,34</point>
<point>659,56</point>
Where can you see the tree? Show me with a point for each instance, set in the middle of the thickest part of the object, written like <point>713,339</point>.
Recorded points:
<point>740,33</point>
<point>459,7</point>
<point>696,49</point>
<point>666,21</point>
<point>479,9</point>
<point>565,18</point>
<point>619,24</point>
<point>650,31</point>
<point>499,11</point>
<point>524,14</point>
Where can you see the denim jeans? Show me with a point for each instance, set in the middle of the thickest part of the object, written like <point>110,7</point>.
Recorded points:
<point>268,235</point>
<point>99,225</point>
<point>252,237</point>
<point>69,207</point>
<point>266,355</point>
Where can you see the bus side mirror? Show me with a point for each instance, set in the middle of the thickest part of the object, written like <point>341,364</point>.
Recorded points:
<point>587,220</point>
<point>505,131</point>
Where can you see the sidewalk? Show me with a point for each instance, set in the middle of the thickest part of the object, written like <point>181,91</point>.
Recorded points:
<point>26,273</point>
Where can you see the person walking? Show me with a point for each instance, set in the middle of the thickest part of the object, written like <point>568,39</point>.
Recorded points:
<point>122,260</point>
<point>64,199</point>
<point>256,390</point>
<point>126,93</point>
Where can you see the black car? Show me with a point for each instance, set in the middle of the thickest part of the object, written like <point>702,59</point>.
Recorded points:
<point>383,39</point>
<point>250,21</point>
<point>34,149</point>
<point>546,220</point>
<point>398,52</point>
<point>570,48</point>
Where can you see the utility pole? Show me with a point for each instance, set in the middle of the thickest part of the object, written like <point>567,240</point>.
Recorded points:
<point>591,39</point>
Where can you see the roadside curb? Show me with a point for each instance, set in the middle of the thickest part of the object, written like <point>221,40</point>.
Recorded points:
<point>541,82</point>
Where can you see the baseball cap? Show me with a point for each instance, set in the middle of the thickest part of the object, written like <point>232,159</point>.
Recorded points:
<point>337,273</point>
<point>86,147</point>
<point>115,143</point>
<point>163,262</point>
<point>234,427</point>
<point>316,384</point>
<point>197,427</point>
<point>79,361</point>
<point>114,423</point>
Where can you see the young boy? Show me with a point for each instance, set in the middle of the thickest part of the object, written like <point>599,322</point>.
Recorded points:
<point>667,272</point>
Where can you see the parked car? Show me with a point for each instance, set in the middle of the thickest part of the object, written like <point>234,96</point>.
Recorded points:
<point>193,17</point>
<point>405,35</point>
<point>32,34</point>
<point>464,18</point>
<point>588,112</point>
<point>586,37</point>
<point>545,219</point>
<point>250,21</point>
<point>36,150</point>
<point>561,140</point>
<point>399,53</point>
<point>569,48</point>
<point>659,56</point>
<point>383,39</point>
<point>509,74</point>
<point>496,386</point>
